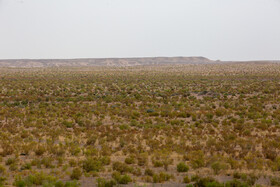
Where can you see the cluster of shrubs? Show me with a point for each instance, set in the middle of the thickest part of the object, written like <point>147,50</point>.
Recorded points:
<point>73,122</point>
<point>42,179</point>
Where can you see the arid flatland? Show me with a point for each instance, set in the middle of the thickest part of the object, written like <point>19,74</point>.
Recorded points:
<point>187,125</point>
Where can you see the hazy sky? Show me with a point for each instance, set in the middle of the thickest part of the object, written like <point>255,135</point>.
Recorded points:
<point>217,29</point>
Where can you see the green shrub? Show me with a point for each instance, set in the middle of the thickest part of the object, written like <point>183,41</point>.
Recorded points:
<point>91,164</point>
<point>59,184</point>
<point>121,167</point>
<point>186,179</point>
<point>129,160</point>
<point>214,184</point>
<point>71,184</point>
<point>157,163</point>
<point>47,162</point>
<point>149,172</point>
<point>208,182</point>
<point>101,182</point>
<point>10,161</point>
<point>105,160</point>
<point>20,183</point>
<point>2,181</point>
<point>275,181</point>
<point>142,159</point>
<point>136,171</point>
<point>68,124</point>
<point>40,150</point>
<point>26,166</point>
<point>91,140</point>
<point>195,178</point>
<point>236,183</point>
<point>197,159</point>
<point>182,167</point>
<point>121,179</point>
<point>2,169</point>
<point>125,179</point>
<point>13,167</point>
<point>34,179</point>
<point>76,174</point>
<point>39,178</point>
<point>161,177</point>
<point>124,127</point>
<point>218,166</point>
<point>72,163</point>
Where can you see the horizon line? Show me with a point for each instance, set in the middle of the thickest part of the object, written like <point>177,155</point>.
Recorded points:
<point>100,58</point>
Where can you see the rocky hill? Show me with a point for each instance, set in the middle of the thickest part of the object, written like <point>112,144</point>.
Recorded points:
<point>25,63</point>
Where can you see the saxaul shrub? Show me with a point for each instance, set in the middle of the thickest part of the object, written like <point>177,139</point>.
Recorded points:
<point>130,160</point>
<point>11,161</point>
<point>182,167</point>
<point>15,167</point>
<point>91,164</point>
<point>121,179</point>
<point>197,159</point>
<point>136,171</point>
<point>219,166</point>
<point>101,182</point>
<point>76,174</point>
<point>186,179</point>
<point>7,149</point>
<point>26,166</point>
<point>105,160</point>
<point>40,150</point>
<point>34,179</point>
<point>72,163</point>
<point>47,162</point>
<point>91,140</point>
<point>161,177</point>
<point>142,159</point>
<point>149,172</point>
<point>122,167</point>
<point>2,169</point>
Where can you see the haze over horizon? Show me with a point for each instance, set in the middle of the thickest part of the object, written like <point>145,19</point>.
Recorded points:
<point>67,29</point>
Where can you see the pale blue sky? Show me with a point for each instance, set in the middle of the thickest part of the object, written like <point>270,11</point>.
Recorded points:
<point>217,29</point>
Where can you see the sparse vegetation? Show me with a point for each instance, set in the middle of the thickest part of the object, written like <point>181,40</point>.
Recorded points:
<point>183,124</point>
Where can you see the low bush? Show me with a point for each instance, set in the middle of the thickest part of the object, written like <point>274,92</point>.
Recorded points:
<point>161,177</point>
<point>91,164</point>
<point>101,182</point>
<point>182,167</point>
<point>218,166</point>
<point>236,183</point>
<point>186,179</point>
<point>40,150</point>
<point>208,182</point>
<point>122,167</point>
<point>149,172</point>
<point>11,161</point>
<point>142,159</point>
<point>2,181</point>
<point>105,160</point>
<point>121,179</point>
<point>26,166</point>
<point>130,160</point>
<point>76,174</point>
<point>34,179</point>
<point>2,169</point>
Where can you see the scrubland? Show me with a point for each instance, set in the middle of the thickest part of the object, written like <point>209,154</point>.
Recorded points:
<point>193,125</point>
